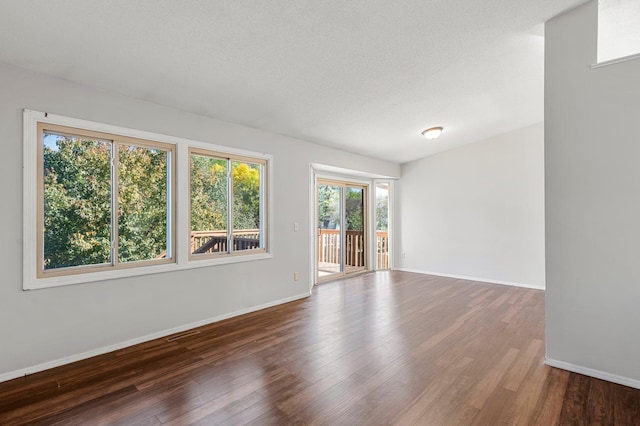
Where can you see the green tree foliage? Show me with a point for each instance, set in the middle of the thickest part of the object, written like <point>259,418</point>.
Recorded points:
<point>142,203</point>
<point>354,205</point>
<point>77,202</point>
<point>78,194</point>
<point>328,206</point>
<point>246,195</point>
<point>208,193</point>
<point>382,213</point>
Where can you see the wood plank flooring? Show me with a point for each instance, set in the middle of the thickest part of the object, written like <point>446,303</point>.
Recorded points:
<point>376,349</point>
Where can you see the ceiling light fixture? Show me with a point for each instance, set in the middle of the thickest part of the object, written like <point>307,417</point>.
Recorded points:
<point>432,133</point>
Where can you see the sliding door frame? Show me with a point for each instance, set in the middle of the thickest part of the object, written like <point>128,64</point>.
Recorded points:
<point>344,184</point>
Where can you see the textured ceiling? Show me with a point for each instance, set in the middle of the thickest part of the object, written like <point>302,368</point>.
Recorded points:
<point>366,76</point>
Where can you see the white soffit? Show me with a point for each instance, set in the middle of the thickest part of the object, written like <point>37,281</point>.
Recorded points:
<point>366,76</point>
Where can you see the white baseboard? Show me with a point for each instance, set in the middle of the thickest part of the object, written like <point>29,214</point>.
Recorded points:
<point>117,346</point>
<point>464,277</point>
<point>614,378</point>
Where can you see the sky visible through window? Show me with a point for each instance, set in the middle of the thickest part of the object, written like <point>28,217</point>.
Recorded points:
<point>50,141</point>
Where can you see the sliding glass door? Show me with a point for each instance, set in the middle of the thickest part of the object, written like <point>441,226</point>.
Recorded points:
<point>342,228</point>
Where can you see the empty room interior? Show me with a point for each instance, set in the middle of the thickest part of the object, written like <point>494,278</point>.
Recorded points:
<point>341,212</point>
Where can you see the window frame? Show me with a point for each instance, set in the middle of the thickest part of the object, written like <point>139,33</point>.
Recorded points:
<point>230,227</point>
<point>116,141</point>
<point>181,205</point>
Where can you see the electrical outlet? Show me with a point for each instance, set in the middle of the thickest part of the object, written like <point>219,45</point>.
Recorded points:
<point>295,276</point>
<point>404,255</point>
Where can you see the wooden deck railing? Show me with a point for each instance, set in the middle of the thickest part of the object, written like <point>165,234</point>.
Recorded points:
<point>382,249</point>
<point>216,241</point>
<point>329,247</point>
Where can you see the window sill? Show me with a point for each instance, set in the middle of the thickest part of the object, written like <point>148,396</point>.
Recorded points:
<point>34,283</point>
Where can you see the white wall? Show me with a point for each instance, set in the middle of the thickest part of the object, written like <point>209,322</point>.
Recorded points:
<point>41,326</point>
<point>477,211</point>
<point>592,162</point>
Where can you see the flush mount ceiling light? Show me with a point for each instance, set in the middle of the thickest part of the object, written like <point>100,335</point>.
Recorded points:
<point>432,133</point>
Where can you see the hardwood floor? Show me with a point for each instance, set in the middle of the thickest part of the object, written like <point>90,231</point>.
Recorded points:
<point>380,348</point>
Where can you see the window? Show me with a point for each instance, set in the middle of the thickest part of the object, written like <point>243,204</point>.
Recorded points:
<point>105,201</point>
<point>618,29</point>
<point>226,204</point>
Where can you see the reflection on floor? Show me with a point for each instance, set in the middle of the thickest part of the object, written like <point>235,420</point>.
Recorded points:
<point>326,268</point>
